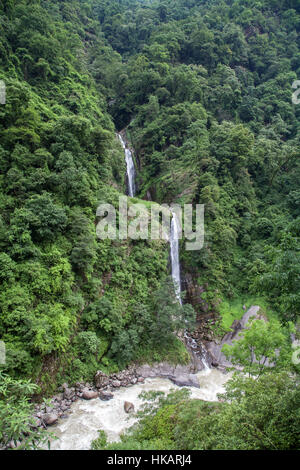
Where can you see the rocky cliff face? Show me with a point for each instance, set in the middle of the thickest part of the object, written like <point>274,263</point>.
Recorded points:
<point>194,293</point>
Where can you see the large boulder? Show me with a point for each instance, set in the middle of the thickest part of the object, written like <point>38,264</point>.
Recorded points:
<point>89,394</point>
<point>13,445</point>
<point>101,379</point>
<point>105,396</point>
<point>186,380</point>
<point>50,418</point>
<point>116,383</point>
<point>69,393</point>
<point>128,407</point>
<point>163,369</point>
<point>214,348</point>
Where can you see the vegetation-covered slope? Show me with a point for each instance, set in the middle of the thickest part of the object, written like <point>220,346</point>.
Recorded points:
<point>205,89</point>
<point>66,297</point>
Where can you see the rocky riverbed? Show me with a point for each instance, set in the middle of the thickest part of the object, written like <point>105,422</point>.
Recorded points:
<point>105,396</point>
<point>81,425</point>
<point>105,386</point>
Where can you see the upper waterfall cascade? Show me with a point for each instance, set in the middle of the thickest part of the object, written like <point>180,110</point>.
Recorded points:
<point>130,168</point>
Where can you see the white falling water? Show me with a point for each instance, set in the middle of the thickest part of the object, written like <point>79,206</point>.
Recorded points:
<point>174,249</point>
<point>175,263</point>
<point>130,168</point>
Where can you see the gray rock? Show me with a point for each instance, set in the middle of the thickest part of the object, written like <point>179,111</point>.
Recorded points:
<point>37,423</point>
<point>13,444</point>
<point>69,393</point>
<point>50,418</point>
<point>186,380</point>
<point>105,396</point>
<point>101,379</point>
<point>116,383</point>
<point>128,407</point>
<point>89,394</point>
<point>164,370</point>
<point>58,397</point>
<point>214,348</point>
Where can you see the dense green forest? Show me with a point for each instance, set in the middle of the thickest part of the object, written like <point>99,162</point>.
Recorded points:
<point>204,90</point>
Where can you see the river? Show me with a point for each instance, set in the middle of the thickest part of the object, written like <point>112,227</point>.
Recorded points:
<point>80,428</point>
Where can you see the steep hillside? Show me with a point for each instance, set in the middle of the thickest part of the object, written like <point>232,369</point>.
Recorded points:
<point>66,298</point>
<point>202,91</point>
<point>205,92</point>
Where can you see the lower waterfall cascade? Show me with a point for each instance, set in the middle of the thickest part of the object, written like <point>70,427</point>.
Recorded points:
<point>199,359</point>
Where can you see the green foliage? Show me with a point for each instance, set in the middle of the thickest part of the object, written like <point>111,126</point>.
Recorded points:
<point>100,442</point>
<point>170,315</point>
<point>280,275</point>
<point>151,332</point>
<point>17,424</point>
<point>263,344</point>
<point>65,295</point>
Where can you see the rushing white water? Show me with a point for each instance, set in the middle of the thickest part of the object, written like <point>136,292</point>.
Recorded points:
<point>80,428</point>
<point>174,250</point>
<point>130,168</point>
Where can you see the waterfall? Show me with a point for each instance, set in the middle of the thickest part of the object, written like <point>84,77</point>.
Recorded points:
<point>174,250</point>
<point>198,352</point>
<point>130,168</point>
